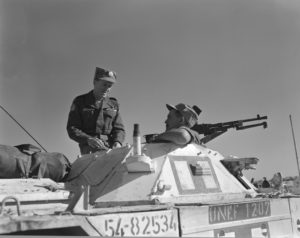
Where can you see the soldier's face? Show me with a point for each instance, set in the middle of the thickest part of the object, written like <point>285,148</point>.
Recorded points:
<point>173,120</point>
<point>102,87</point>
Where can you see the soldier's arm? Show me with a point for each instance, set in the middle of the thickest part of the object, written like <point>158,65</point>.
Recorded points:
<point>74,125</point>
<point>118,129</point>
<point>178,136</point>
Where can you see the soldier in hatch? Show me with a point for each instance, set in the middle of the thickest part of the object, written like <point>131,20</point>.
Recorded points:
<point>94,120</point>
<point>181,118</point>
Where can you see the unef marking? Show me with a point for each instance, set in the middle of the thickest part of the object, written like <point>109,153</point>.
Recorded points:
<point>238,211</point>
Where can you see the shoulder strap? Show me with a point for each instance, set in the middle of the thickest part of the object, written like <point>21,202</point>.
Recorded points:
<point>114,101</point>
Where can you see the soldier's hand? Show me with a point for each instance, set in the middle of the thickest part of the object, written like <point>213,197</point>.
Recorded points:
<point>92,142</point>
<point>96,143</point>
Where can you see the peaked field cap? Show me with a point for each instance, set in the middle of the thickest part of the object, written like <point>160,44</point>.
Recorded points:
<point>189,113</point>
<point>104,74</point>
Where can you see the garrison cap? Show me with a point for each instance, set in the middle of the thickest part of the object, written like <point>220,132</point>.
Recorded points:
<point>189,113</point>
<point>104,74</point>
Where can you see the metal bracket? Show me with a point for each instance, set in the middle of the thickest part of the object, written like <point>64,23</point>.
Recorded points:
<point>4,202</point>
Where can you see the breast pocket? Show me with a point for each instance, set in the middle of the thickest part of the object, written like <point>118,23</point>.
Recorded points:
<point>109,116</point>
<point>87,116</point>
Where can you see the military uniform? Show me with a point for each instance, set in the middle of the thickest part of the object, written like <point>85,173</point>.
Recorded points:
<point>195,137</point>
<point>90,118</point>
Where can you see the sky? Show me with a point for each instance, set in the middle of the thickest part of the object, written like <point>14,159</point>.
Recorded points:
<point>232,58</point>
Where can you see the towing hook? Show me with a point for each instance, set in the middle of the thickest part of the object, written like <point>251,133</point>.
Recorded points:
<point>4,202</point>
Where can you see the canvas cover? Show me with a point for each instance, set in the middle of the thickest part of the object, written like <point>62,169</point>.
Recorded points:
<point>27,161</point>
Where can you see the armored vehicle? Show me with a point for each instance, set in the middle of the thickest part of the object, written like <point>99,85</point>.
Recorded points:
<point>152,189</point>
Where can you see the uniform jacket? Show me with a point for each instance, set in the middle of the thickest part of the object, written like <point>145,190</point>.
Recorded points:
<point>195,137</point>
<point>87,119</point>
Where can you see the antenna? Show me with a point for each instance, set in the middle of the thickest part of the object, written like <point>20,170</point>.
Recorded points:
<point>295,145</point>
<point>22,127</point>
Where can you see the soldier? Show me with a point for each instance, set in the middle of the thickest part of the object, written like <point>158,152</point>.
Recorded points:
<point>94,119</point>
<point>180,119</point>
<point>265,183</point>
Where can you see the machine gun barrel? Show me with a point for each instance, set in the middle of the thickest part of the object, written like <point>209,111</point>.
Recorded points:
<point>240,122</point>
<point>264,124</point>
<point>213,130</point>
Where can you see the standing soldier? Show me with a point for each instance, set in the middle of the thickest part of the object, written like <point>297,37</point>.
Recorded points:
<point>94,120</point>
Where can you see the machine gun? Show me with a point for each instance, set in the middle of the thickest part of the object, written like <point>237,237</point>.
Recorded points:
<point>211,131</point>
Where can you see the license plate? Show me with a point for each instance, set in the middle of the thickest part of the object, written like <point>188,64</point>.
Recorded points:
<point>239,211</point>
<point>158,223</point>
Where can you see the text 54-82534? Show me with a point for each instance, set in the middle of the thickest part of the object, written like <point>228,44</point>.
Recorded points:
<point>157,223</point>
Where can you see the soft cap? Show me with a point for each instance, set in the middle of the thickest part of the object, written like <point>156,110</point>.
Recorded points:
<point>188,112</point>
<point>103,74</point>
